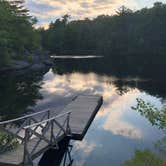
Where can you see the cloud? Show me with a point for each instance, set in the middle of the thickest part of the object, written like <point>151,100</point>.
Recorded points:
<point>49,10</point>
<point>85,5</point>
<point>86,148</point>
<point>39,6</point>
<point>113,103</point>
<point>115,107</point>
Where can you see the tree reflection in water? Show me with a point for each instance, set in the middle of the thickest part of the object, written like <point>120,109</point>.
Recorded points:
<point>19,92</point>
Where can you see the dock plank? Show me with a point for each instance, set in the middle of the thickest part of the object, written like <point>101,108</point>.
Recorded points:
<point>83,110</point>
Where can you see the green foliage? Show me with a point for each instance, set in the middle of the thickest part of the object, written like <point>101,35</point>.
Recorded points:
<point>145,158</point>
<point>7,142</point>
<point>17,35</point>
<point>154,115</point>
<point>135,40</point>
<point>161,145</point>
<point>30,58</point>
<point>123,11</point>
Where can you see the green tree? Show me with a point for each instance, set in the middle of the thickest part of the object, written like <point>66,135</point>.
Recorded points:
<point>17,34</point>
<point>128,38</point>
<point>154,115</point>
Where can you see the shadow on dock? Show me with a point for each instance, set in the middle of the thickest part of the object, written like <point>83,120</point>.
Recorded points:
<point>58,157</point>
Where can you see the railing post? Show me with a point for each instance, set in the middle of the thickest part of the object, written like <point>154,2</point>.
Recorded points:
<point>68,130</point>
<point>52,132</point>
<point>26,139</point>
<point>48,114</point>
<point>27,160</point>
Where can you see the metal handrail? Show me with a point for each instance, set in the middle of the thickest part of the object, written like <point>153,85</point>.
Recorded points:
<point>30,126</point>
<point>47,120</point>
<point>48,127</point>
<point>24,117</point>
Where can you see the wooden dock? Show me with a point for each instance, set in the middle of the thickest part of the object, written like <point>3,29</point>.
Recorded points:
<point>37,135</point>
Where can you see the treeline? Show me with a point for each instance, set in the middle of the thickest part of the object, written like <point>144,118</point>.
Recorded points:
<point>126,36</point>
<point>17,35</point>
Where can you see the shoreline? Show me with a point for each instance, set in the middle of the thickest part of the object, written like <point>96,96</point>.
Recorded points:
<point>22,65</point>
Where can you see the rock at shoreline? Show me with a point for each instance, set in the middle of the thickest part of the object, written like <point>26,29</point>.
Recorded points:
<point>39,60</point>
<point>21,65</point>
<point>37,66</point>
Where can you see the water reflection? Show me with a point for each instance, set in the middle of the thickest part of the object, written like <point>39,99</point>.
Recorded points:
<point>18,92</point>
<point>117,130</point>
<point>127,75</point>
<point>85,149</point>
<point>58,157</point>
<point>76,57</point>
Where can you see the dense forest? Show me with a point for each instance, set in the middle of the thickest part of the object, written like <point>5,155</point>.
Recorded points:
<point>125,33</point>
<point>18,37</point>
<point>129,38</point>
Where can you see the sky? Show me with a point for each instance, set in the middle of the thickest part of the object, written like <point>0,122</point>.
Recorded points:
<point>49,10</point>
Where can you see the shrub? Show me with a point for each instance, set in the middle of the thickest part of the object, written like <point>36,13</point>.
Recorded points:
<point>7,142</point>
<point>145,158</point>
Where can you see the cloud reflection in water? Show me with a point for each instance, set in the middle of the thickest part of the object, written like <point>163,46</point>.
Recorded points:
<point>115,125</point>
<point>115,105</point>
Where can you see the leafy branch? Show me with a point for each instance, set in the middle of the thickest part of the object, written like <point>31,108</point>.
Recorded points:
<point>154,115</point>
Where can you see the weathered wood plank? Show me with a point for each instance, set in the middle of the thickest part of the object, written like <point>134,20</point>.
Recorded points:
<point>83,110</point>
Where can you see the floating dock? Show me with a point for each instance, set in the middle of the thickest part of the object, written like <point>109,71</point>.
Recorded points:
<point>43,130</point>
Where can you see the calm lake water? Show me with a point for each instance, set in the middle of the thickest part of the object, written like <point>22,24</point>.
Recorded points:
<point>117,130</point>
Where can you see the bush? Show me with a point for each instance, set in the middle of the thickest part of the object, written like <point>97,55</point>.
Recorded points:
<point>145,158</point>
<point>7,142</point>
